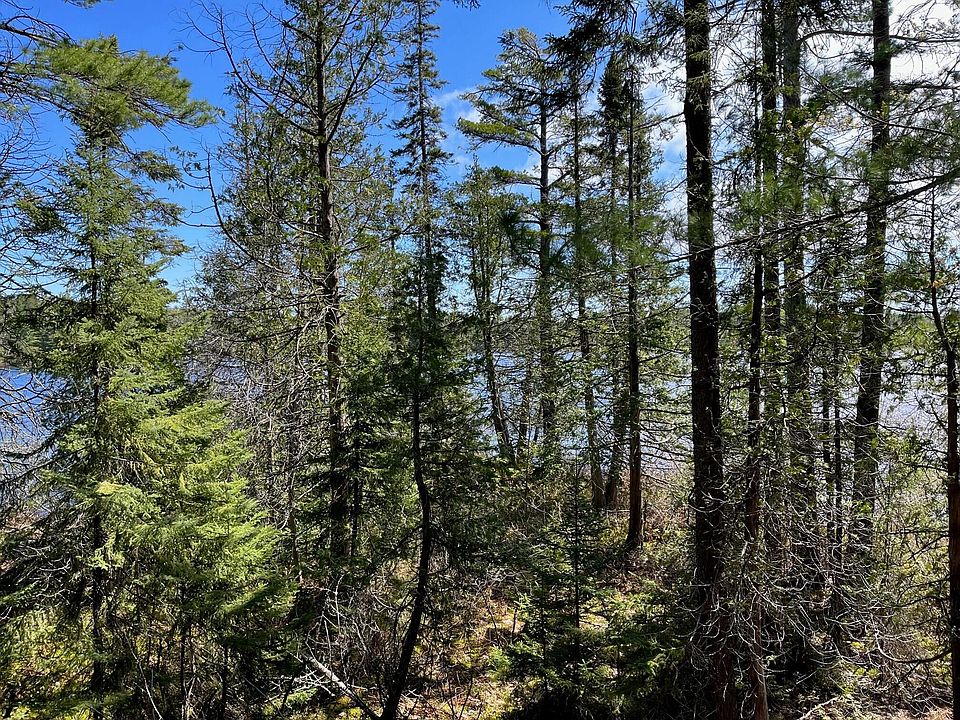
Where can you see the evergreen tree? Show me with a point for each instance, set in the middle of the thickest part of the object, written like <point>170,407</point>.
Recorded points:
<point>424,360</point>
<point>142,514</point>
<point>406,500</point>
<point>519,107</point>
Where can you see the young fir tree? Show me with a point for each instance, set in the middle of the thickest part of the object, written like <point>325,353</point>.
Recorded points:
<point>143,553</point>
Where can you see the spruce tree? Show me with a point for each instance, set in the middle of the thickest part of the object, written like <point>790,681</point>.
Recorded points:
<point>423,352</point>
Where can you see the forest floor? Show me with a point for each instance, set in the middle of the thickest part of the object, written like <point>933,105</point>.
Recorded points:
<point>476,686</point>
<point>842,711</point>
<point>939,714</point>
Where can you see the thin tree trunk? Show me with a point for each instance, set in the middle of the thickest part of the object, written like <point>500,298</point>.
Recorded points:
<point>523,424</point>
<point>589,401</point>
<point>756,673</point>
<point>430,285</point>
<point>618,425</point>
<point>548,401</point>
<point>837,464</point>
<point>801,477</point>
<point>635,515</point>
<point>577,583</point>
<point>833,459</point>
<point>99,575</point>
<point>772,398</point>
<point>953,531</point>
<point>482,291</point>
<point>953,471</point>
<point>611,493</point>
<point>597,486</point>
<point>497,414</point>
<point>765,169</point>
<point>826,454</point>
<point>412,634</point>
<point>185,709</point>
<point>98,675</point>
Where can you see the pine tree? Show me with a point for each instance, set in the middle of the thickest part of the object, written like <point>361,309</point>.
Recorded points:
<point>142,512</point>
<point>518,107</point>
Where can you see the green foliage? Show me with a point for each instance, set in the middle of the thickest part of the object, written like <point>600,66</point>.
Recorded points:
<point>376,465</point>
<point>107,93</point>
<point>138,500</point>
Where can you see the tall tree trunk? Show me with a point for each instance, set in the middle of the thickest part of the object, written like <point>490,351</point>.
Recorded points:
<point>412,635</point>
<point>772,361</point>
<point>765,169</point>
<point>756,673</point>
<point>597,485</point>
<point>837,467</point>
<point>618,425</point>
<point>708,483</point>
<point>340,492</point>
<point>833,466</point>
<point>873,335</point>
<point>826,455</point>
<point>635,515</point>
<point>548,368</point>
<point>801,475</point>
<point>953,531</point>
<point>804,568</point>
<point>99,574</point>
<point>635,487</point>
<point>424,394</point>
<point>589,400</point>
<point>98,675</point>
<point>953,471</point>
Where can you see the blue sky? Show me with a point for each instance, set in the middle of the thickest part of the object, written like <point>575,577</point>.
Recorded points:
<point>468,44</point>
